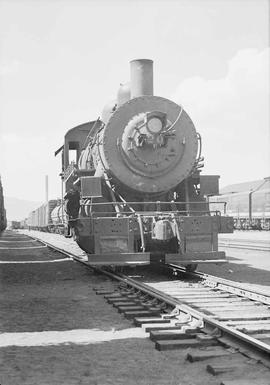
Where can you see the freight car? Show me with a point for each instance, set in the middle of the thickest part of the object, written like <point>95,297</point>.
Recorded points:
<point>3,217</point>
<point>250,209</point>
<point>41,218</point>
<point>135,193</point>
<point>15,225</point>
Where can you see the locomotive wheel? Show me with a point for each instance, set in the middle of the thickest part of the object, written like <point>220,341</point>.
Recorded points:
<point>191,268</point>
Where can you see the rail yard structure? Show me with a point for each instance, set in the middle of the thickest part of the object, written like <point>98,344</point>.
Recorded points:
<point>250,207</point>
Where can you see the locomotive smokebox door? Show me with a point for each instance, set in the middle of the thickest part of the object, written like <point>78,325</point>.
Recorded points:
<point>91,187</point>
<point>149,145</point>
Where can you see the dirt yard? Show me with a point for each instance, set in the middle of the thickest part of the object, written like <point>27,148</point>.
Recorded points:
<point>79,338</point>
<point>59,296</point>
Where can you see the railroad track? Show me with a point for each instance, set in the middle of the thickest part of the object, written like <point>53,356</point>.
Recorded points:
<point>258,245</point>
<point>224,309</point>
<point>220,317</point>
<point>228,308</point>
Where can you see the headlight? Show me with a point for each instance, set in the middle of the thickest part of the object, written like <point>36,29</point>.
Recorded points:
<point>156,122</point>
<point>154,125</point>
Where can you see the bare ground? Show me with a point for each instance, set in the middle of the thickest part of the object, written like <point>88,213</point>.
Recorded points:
<point>58,297</point>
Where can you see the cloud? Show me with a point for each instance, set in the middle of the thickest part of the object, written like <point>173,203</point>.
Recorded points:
<point>10,138</point>
<point>232,114</point>
<point>6,69</point>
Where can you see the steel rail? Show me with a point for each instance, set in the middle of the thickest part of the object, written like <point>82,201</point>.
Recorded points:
<point>224,284</point>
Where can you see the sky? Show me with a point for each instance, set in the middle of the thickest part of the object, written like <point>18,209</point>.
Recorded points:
<point>61,61</point>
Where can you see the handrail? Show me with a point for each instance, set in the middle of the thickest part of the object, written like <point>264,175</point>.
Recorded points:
<point>154,213</point>
<point>141,232</point>
<point>69,170</point>
<point>144,203</point>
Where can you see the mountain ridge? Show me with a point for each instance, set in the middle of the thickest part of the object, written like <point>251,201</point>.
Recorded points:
<point>19,209</point>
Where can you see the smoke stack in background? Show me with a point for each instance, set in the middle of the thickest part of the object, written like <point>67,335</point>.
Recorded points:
<point>141,77</point>
<point>46,188</point>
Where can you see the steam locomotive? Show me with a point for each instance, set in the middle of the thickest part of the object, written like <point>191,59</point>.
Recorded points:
<point>134,193</point>
<point>3,219</point>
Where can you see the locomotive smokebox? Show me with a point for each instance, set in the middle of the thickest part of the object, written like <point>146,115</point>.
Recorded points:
<point>141,77</point>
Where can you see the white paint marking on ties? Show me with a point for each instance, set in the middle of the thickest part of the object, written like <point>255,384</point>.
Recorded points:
<point>47,261</point>
<point>79,337</point>
<point>22,248</point>
<point>30,240</point>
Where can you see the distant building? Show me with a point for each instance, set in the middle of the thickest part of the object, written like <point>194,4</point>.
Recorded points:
<point>248,203</point>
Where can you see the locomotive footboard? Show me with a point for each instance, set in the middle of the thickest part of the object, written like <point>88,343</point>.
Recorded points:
<point>124,259</point>
<point>200,257</point>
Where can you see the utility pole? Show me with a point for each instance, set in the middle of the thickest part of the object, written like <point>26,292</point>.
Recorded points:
<point>267,179</point>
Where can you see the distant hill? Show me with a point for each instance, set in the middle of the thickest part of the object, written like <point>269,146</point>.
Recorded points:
<point>18,209</point>
<point>245,186</point>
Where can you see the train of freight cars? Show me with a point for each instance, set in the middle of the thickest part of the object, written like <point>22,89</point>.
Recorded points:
<point>50,217</point>
<point>250,209</point>
<point>15,225</point>
<point>3,218</point>
<point>134,192</point>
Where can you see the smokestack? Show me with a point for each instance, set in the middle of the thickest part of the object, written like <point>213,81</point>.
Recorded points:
<point>47,188</point>
<point>141,77</point>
